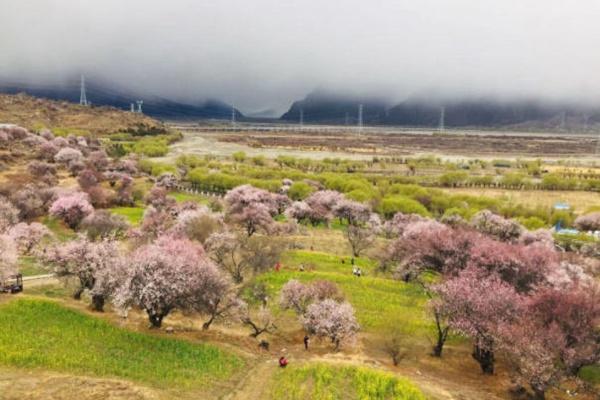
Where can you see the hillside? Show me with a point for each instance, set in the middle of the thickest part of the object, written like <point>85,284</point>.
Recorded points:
<point>35,113</point>
<point>103,94</point>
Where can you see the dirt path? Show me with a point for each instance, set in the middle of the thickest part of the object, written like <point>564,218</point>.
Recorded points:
<point>257,380</point>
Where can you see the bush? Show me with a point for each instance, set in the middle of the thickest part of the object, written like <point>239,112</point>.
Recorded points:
<point>300,191</point>
<point>392,205</point>
<point>151,147</point>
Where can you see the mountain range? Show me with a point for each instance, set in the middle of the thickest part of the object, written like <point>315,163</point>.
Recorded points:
<point>331,108</point>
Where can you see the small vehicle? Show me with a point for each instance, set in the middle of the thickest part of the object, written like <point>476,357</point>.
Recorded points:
<point>14,284</point>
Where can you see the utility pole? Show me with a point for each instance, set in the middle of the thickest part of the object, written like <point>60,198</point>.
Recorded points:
<point>442,126</point>
<point>360,118</point>
<point>82,96</point>
<point>301,117</point>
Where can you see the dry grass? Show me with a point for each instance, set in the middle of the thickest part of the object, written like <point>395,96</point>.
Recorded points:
<point>581,201</point>
<point>35,113</point>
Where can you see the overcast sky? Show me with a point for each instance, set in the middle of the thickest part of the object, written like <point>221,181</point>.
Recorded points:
<point>263,54</point>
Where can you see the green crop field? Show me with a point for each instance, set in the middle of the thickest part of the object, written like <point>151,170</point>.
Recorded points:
<point>381,304</point>
<point>132,214</point>
<point>323,382</point>
<point>43,334</point>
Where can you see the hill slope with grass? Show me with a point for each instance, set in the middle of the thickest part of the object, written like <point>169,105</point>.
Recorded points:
<point>36,113</point>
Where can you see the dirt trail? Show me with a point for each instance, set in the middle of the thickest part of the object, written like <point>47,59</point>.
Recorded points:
<point>253,385</point>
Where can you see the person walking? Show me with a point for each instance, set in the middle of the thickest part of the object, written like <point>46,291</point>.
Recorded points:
<point>306,340</point>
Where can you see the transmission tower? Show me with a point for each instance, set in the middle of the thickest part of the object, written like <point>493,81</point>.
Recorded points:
<point>301,117</point>
<point>346,118</point>
<point>563,120</point>
<point>360,118</point>
<point>82,97</point>
<point>232,114</point>
<point>442,126</point>
<point>139,105</point>
<point>132,109</point>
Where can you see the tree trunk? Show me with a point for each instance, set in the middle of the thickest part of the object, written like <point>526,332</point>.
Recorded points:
<point>155,320</point>
<point>78,293</point>
<point>98,302</point>
<point>485,358</point>
<point>441,337</point>
<point>206,325</point>
<point>538,394</point>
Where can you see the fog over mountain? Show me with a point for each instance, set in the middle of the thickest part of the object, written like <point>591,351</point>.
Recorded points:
<point>264,54</point>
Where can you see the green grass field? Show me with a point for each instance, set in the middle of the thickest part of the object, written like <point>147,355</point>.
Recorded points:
<point>381,304</point>
<point>43,334</point>
<point>323,382</point>
<point>29,265</point>
<point>181,196</point>
<point>133,215</point>
<point>60,230</point>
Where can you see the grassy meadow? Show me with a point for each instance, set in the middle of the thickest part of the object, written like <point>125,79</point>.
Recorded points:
<point>43,334</point>
<point>324,382</point>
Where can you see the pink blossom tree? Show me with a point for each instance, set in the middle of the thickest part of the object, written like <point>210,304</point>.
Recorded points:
<point>9,214</point>
<point>166,275</point>
<point>429,245</point>
<point>68,155</point>
<point>32,201</point>
<point>296,296</point>
<point>353,212</point>
<point>157,198</point>
<point>523,267</point>
<point>254,217</point>
<point>495,225</point>
<point>198,223</point>
<point>88,178</point>
<point>47,151</point>
<point>558,336</point>
<point>362,234</point>
<point>8,257</point>
<point>588,222</point>
<point>396,226</point>
<point>302,212</point>
<point>332,320</point>
<point>28,236</point>
<point>102,224</point>
<point>251,208</point>
<point>479,306</point>
<point>96,265</point>
<point>323,203</point>
<point>72,208</point>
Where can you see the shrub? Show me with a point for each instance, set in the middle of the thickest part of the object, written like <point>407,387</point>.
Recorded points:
<point>392,205</point>
<point>300,190</point>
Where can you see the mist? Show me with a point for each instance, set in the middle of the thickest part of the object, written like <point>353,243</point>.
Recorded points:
<point>264,54</point>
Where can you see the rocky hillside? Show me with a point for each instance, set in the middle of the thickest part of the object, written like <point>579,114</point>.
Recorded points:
<point>35,114</point>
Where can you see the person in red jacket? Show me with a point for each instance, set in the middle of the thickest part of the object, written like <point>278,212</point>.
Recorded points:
<point>277,266</point>
<point>283,362</point>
